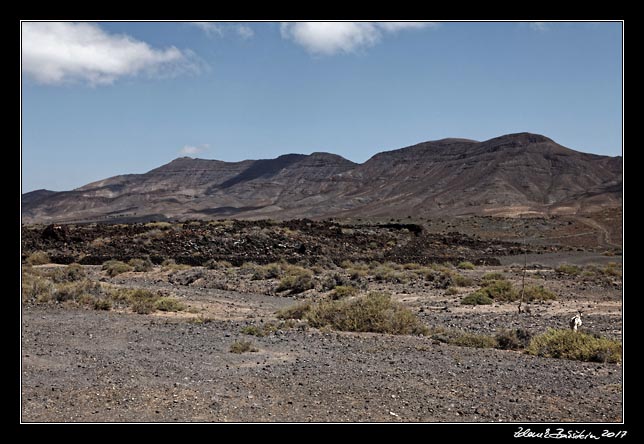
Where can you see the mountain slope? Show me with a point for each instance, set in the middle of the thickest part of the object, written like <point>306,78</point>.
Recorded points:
<point>511,174</point>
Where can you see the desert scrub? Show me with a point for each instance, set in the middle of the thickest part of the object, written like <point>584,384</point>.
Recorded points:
<point>297,280</point>
<point>465,265</point>
<point>473,340</point>
<point>513,339</point>
<point>460,281</point>
<point>343,291</point>
<point>297,311</point>
<point>102,304</point>
<point>386,273</point>
<point>71,291</point>
<point>171,265</point>
<point>331,280</point>
<point>264,329</point>
<point>538,293</point>
<point>140,265</point>
<point>477,298</point>
<point>487,277</point>
<point>242,347</point>
<point>252,330</point>
<point>568,269</point>
<point>355,270</point>
<point>375,312</point>
<point>36,288</point>
<point>59,275</point>
<point>500,291</point>
<point>461,338</point>
<point>142,301</point>
<point>268,271</point>
<point>159,225</point>
<point>38,258</point>
<point>169,304</point>
<point>71,273</point>
<point>213,264</point>
<point>612,269</point>
<point>114,267</point>
<point>568,344</point>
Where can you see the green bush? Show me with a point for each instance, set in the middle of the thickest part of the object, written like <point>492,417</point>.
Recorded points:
<point>171,265</point>
<point>38,258</point>
<point>465,339</point>
<point>571,270</point>
<point>500,291</point>
<point>375,312</point>
<point>268,271</point>
<point>297,281</point>
<point>141,301</point>
<point>253,330</point>
<point>242,347</point>
<point>74,272</point>
<point>389,273</point>
<point>538,293</point>
<point>71,291</point>
<point>265,329</point>
<point>465,265</point>
<point>140,265</point>
<point>36,288</point>
<point>613,269</point>
<point>102,304</point>
<point>461,281</point>
<point>493,277</point>
<point>114,267</point>
<point>343,291</point>
<point>568,344</point>
<point>169,304</point>
<point>477,298</point>
<point>440,278</point>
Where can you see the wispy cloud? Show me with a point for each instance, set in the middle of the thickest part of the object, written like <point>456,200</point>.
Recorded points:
<point>209,28</point>
<point>60,52</point>
<point>328,38</point>
<point>245,32</point>
<point>189,150</point>
<point>539,26</point>
<point>221,29</point>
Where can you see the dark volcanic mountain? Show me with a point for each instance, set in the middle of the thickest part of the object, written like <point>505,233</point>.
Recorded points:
<point>513,174</point>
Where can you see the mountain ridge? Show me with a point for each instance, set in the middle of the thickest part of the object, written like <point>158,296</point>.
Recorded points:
<point>520,173</point>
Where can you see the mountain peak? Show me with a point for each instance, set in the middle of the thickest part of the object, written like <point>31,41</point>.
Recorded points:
<point>524,138</point>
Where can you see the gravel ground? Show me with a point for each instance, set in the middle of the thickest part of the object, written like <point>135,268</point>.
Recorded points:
<point>106,366</point>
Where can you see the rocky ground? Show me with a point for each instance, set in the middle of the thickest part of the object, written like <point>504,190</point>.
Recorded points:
<point>80,364</point>
<point>307,241</point>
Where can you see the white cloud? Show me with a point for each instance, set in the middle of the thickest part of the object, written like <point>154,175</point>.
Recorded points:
<point>399,26</point>
<point>245,32</point>
<point>188,150</point>
<point>327,38</point>
<point>219,29</point>
<point>210,28</point>
<point>539,26</point>
<point>61,52</point>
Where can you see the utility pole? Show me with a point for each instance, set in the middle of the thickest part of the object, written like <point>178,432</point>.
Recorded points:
<point>525,265</point>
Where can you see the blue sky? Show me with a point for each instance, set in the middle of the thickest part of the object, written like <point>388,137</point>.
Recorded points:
<point>101,99</point>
